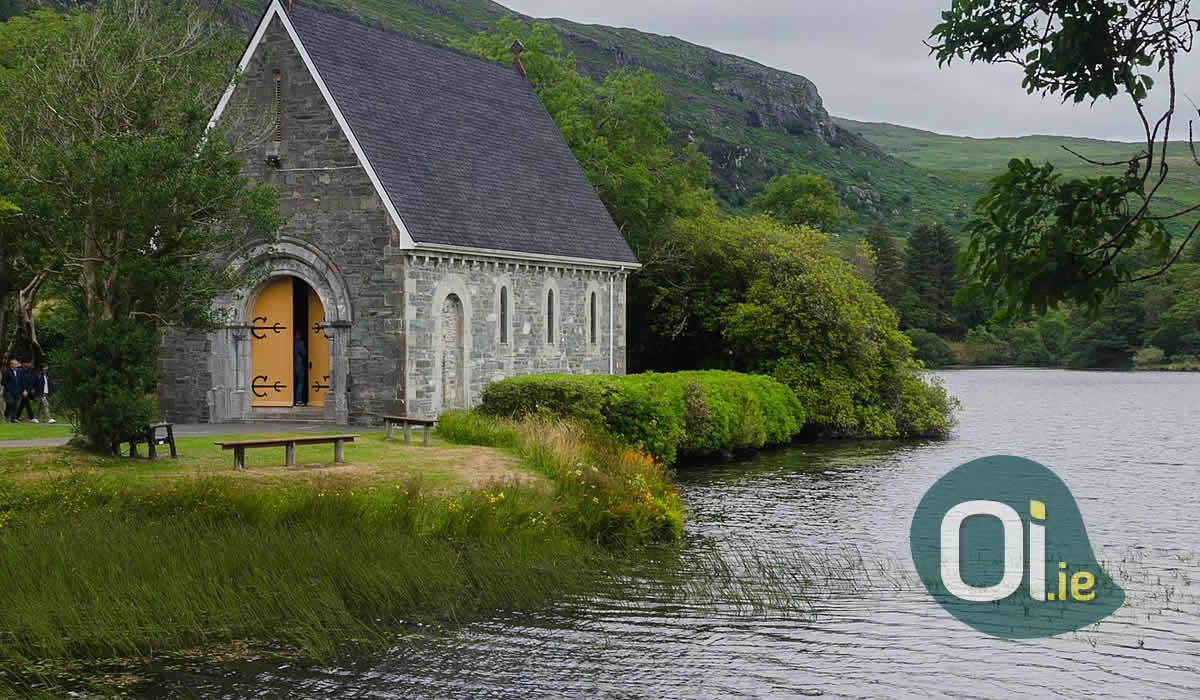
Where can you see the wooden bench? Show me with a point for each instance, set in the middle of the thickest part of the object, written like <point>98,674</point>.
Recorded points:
<point>289,443</point>
<point>153,440</point>
<point>407,423</point>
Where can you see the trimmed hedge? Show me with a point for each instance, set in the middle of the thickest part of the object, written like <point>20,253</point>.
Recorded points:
<point>678,413</point>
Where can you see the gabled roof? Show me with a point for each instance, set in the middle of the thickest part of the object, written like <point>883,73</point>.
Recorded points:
<point>459,147</point>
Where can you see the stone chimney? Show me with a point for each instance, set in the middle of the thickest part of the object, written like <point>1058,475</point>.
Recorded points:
<point>516,48</point>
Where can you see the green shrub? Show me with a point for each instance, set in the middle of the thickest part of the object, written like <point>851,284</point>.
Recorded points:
<point>931,348</point>
<point>105,377</point>
<point>1027,347</point>
<point>985,348</point>
<point>692,413</point>
<point>468,428</point>
<point>1149,356</point>
<point>925,408</point>
<point>1053,330</point>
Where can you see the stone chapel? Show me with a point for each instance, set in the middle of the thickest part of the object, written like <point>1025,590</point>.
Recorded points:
<point>440,236</point>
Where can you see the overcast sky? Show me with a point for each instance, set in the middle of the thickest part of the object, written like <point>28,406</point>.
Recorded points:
<point>867,60</point>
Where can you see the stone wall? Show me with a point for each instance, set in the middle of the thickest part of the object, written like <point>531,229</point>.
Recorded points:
<point>184,377</point>
<point>431,279</point>
<point>329,202</point>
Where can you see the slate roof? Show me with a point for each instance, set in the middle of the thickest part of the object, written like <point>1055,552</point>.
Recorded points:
<point>463,146</point>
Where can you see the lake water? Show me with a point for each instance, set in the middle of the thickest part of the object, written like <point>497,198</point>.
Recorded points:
<point>1126,444</point>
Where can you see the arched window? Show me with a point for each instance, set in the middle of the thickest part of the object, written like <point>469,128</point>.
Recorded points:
<point>550,316</point>
<point>504,314</point>
<point>592,318</point>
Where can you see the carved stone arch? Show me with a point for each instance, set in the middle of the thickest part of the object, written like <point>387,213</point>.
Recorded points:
<point>295,258</point>
<point>230,361</point>
<point>452,285</point>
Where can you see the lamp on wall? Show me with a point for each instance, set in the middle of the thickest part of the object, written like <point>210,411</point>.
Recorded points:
<point>273,154</point>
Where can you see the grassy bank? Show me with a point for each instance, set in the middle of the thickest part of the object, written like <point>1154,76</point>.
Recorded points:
<point>110,558</point>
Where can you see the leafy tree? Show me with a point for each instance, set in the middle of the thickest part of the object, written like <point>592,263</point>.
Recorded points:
<point>616,131</point>
<point>20,274</point>
<point>7,208</point>
<point>930,348</point>
<point>128,201</point>
<point>1036,235</point>
<point>984,347</point>
<point>931,280</point>
<point>1109,337</point>
<point>860,255</point>
<point>889,265</point>
<point>801,199</point>
<point>1053,330</point>
<point>757,295</point>
<point>1178,331</point>
<point>9,283</point>
<point>1145,324</point>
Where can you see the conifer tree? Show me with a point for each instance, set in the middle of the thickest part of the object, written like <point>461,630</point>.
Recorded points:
<point>931,279</point>
<point>889,265</point>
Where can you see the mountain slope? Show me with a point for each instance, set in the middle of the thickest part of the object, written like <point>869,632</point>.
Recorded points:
<point>753,122</point>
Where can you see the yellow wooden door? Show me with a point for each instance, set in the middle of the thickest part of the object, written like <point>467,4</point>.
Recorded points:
<point>318,351</point>
<point>271,345</point>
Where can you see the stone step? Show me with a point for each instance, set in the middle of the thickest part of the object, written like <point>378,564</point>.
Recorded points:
<point>286,414</point>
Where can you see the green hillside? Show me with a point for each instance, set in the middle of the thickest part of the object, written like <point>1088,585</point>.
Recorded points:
<point>972,162</point>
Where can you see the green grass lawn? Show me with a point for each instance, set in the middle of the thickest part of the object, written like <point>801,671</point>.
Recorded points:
<point>31,431</point>
<point>370,460</point>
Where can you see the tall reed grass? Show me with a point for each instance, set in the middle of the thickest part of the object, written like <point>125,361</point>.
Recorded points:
<point>93,570</point>
<point>609,492</point>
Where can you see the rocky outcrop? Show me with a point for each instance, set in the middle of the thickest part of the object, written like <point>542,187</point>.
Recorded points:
<point>720,88</point>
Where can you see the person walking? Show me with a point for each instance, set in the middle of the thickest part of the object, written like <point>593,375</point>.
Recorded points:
<point>11,380</point>
<point>42,387</point>
<point>27,387</point>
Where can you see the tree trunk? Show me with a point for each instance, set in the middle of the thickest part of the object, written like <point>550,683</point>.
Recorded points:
<point>26,300</point>
<point>8,334</point>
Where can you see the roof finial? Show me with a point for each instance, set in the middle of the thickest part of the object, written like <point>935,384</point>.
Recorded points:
<point>516,48</point>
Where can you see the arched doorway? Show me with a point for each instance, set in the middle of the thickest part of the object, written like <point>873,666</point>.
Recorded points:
<point>453,369</point>
<point>289,346</point>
